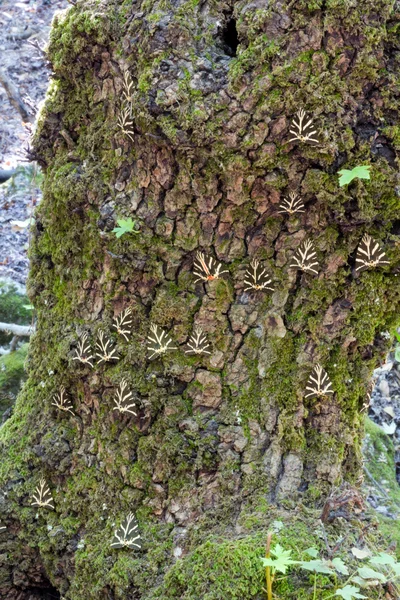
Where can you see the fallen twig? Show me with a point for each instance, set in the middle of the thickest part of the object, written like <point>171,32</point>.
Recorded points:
<point>35,44</point>
<point>380,488</point>
<point>15,98</point>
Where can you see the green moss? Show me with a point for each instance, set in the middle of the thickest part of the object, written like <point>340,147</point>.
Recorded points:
<point>12,374</point>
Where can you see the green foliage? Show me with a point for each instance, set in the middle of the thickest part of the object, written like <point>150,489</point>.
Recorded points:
<point>282,560</point>
<point>360,172</point>
<point>317,566</point>
<point>125,226</point>
<point>12,374</point>
<point>386,569</point>
<point>349,592</point>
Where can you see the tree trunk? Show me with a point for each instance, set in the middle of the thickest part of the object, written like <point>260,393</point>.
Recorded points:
<point>201,164</point>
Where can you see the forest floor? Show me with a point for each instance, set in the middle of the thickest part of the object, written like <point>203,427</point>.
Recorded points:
<point>24,31</point>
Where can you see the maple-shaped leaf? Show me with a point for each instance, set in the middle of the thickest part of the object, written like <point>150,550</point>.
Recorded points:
<point>281,560</point>
<point>383,559</point>
<point>340,566</point>
<point>125,226</point>
<point>360,172</point>
<point>349,592</point>
<point>316,566</point>
<point>367,573</point>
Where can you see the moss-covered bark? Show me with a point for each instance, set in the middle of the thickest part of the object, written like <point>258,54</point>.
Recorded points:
<point>216,439</point>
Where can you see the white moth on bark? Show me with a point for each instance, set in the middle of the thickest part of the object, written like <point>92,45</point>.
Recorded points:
<point>62,402</point>
<point>293,204</point>
<point>318,384</point>
<point>127,535</point>
<point>84,352</point>
<point>207,268</point>
<point>125,122</point>
<point>123,323</point>
<point>198,343</point>
<point>42,496</point>
<point>369,254</point>
<point>159,342</point>
<point>123,399</point>
<point>257,278</point>
<point>303,129</point>
<point>128,87</point>
<point>105,350</point>
<point>305,258</point>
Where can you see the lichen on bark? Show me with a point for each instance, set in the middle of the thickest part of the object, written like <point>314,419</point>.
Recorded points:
<point>224,437</point>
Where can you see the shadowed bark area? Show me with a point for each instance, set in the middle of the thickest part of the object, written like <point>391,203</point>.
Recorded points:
<point>220,437</point>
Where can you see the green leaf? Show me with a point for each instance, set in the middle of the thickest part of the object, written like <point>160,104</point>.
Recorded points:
<point>383,559</point>
<point>277,525</point>
<point>360,172</point>
<point>281,561</point>
<point>349,592</point>
<point>340,566</point>
<point>396,569</point>
<point>397,354</point>
<point>312,552</point>
<point>125,226</point>
<point>317,566</point>
<point>367,573</point>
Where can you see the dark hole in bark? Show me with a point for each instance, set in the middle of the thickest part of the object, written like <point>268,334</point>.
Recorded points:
<point>230,37</point>
<point>395,228</point>
<point>35,593</point>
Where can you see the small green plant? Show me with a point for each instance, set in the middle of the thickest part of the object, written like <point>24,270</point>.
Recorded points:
<point>278,564</point>
<point>380,569</point>
<point>125,226</point>
<point>397,347</point>
<point>360,172</point>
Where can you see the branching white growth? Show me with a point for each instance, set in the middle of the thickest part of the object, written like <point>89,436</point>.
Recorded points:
<point>123,322</point>
<point>128,87</point>
<point>369,254</point>
<point>159,342</point>
<point>105,349</point>
<point>123,399</point>
<point>293,204</point>
<point>125,123</point>
<point>61,401</point>
<point>207,268</point>
<point>318,383</point>
<point>198,343</point>
<point>305,257</point>
<point>42,496</point>
<point>302,129</point>
<point>257,278</point>
<point>127,535</point>
<point>84,352</point>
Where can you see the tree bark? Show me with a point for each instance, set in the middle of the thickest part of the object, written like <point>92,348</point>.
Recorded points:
<point>222,436</point>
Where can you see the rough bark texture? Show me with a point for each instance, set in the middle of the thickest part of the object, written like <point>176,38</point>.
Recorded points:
<point>217,440</point>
